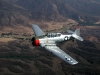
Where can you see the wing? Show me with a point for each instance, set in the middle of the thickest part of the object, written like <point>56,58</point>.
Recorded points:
<point>37,30</point>
<point>61,54</point>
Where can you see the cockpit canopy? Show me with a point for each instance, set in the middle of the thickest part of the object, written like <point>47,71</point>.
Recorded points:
<point>53,35</point>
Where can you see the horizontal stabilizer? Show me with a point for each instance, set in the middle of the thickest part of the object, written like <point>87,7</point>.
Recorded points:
<point>70,32</point>
<point>77,37</point>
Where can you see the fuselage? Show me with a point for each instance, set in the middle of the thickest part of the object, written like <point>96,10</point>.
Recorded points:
<point>51,39</point>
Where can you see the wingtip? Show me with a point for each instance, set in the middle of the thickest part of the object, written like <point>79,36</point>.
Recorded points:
<point>74,63</point>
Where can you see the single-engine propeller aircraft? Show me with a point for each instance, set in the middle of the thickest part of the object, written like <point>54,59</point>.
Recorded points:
<point>49,41</point>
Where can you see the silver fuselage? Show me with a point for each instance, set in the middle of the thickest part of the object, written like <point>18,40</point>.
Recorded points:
<point>52,40</point>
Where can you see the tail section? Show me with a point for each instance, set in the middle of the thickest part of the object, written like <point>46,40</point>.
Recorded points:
<point>76,34</point>
<point>77,31</point>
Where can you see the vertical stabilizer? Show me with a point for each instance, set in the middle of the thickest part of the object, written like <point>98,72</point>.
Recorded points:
<point>77,31</point>
<point>76,34</point>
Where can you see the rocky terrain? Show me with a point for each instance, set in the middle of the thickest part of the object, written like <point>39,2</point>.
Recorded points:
<point>61,9</point>
<point>19,57</point>
<point>23,12</point>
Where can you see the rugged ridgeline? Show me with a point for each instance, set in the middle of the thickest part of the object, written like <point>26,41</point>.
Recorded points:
<point>61,9</point>
<point>20,11</point>
<point>19,57</point>
<point>11,14</point>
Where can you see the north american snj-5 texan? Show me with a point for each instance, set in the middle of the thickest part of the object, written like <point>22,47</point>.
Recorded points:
<point>49,41</point>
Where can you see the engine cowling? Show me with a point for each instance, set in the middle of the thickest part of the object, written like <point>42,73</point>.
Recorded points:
<point>35,42</point>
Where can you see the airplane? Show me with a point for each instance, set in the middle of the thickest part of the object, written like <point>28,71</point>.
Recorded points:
<point>49,42</point>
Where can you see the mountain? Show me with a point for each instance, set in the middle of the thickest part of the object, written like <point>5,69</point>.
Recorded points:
<point>22,11</point>
<point>45,10</point>
<point>19,57</point>
<point>11,14</point>
<point>61,9</point>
